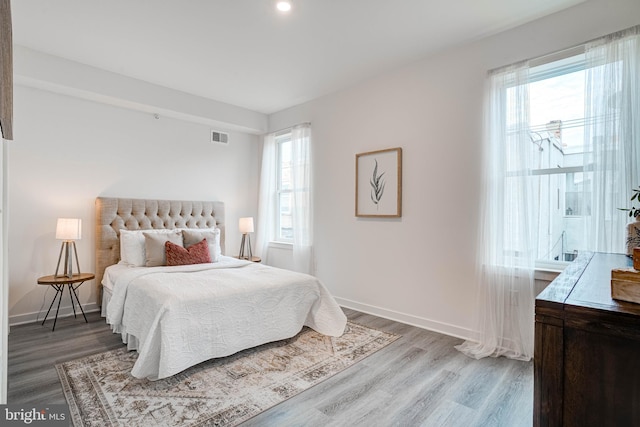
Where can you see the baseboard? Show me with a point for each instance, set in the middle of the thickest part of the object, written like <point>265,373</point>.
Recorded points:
<point>409,319</point>
<point>420,322</point>
<point>67,311</point>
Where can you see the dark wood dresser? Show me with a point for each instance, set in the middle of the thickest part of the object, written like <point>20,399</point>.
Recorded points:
<point>587,349</point>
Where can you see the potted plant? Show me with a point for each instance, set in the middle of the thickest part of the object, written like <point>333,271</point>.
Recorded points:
<point>633,228</point>
<point>633,211</point>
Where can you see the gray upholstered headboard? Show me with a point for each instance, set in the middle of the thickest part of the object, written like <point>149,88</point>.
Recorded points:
<point>113,214</point>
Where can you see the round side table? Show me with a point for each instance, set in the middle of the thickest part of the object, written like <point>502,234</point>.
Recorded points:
<point>252,259</point>
<point>72,283</point>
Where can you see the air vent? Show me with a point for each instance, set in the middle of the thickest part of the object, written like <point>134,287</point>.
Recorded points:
<point>219,137</point>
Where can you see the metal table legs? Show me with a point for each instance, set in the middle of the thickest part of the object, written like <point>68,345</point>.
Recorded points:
<point>59,291</point>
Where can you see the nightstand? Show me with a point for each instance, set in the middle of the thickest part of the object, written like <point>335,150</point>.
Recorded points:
<point>72,283</point>
<point>252,259</point>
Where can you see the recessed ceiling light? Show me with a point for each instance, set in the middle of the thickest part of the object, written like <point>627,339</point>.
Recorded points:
<point>283,5</point>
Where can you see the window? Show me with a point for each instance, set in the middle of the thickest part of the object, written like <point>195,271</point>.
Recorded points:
<point>557,125</point>
<point>286,204</point>
<point>556,133</point>
<point>284,216</point>
<point>551,158</point>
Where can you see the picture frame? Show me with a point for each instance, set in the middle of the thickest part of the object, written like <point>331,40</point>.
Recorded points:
<point>379,184</point>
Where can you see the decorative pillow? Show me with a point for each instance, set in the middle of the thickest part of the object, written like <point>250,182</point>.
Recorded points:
<point>154,246</point>
<point>132,250</point>
<point>194,254</point>
<point>192,236</point>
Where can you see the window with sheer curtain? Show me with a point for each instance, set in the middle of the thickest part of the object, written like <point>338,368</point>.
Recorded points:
<point>284,188</point>
<point>550,192</point>
<point>285,205</point>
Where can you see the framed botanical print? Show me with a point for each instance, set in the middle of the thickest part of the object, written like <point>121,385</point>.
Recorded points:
<point>379,184</point>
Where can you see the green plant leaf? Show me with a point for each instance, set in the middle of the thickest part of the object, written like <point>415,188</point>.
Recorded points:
<point>377,183</point>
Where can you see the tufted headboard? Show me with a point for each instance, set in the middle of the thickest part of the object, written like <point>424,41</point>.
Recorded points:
<point>113,214</point>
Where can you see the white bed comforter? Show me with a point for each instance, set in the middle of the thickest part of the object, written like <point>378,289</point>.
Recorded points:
<point>177,317</point>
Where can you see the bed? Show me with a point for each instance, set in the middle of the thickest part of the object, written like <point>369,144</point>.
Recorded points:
<point>178,316</point>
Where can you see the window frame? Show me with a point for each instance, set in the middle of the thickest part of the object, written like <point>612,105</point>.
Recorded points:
<point>542,69</point>
<point>281,137</point>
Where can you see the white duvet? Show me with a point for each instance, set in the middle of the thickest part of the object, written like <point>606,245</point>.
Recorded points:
<point>177,317</point>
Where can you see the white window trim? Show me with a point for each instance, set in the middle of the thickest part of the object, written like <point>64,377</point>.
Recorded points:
<point>281,245</point>
<point>280,138</point>
<point>545,269</point>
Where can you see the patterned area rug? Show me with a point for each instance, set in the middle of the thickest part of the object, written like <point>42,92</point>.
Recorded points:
<point>220,392</point>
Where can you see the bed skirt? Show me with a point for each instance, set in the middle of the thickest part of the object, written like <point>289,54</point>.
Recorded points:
<point>130,340</point>
<point>106,297</point>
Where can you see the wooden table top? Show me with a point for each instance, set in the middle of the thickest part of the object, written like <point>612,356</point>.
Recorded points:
<point>53,280</point>
<point>588,286</point>
<point>252,259</point>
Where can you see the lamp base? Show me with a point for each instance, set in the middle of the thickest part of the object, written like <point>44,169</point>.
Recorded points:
<point>67,247</point>
<point>245,246</point>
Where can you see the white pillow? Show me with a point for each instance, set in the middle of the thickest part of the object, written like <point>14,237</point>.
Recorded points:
<point>191,236</point>
<point>154,246</point>
<point>132,250</point>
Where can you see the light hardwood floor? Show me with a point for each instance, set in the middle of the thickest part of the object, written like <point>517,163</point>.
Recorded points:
<point>419,380</point>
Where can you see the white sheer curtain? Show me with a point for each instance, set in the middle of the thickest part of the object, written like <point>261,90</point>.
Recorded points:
<point>265,229</point>
<point>612,136</point>
<point>301,198</point>
<point>507,246</point>
<point>302,206</point>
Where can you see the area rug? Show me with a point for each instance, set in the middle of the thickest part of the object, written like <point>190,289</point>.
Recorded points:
<point>220,392</point>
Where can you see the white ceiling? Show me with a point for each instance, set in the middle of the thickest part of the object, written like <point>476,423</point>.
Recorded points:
<point>245,53</point>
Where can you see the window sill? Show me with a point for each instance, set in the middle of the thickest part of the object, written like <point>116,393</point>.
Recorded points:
<point>547,275</point>
<point>549,270</point>
<point>552,266</point>
<point>281,245</point>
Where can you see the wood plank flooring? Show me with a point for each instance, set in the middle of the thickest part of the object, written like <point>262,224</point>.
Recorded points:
<point>419,380</point>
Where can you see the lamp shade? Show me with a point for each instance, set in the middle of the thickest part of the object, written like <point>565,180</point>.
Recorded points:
<point>69,229</point>
<point>246,225</point>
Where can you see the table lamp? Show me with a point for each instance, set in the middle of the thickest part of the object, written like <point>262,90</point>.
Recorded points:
<point>68,230</point>
<point>246,226</point>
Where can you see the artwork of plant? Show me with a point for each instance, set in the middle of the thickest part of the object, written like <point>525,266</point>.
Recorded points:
<point>377,185</point>
<point>374,170</point>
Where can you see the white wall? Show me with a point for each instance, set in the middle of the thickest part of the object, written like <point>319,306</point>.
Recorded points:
<point>67,151</point>
<point>421,268</point>
<point>43,71</point>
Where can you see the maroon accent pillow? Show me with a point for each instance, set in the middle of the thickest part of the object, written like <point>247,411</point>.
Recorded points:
<point>194,254</point>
